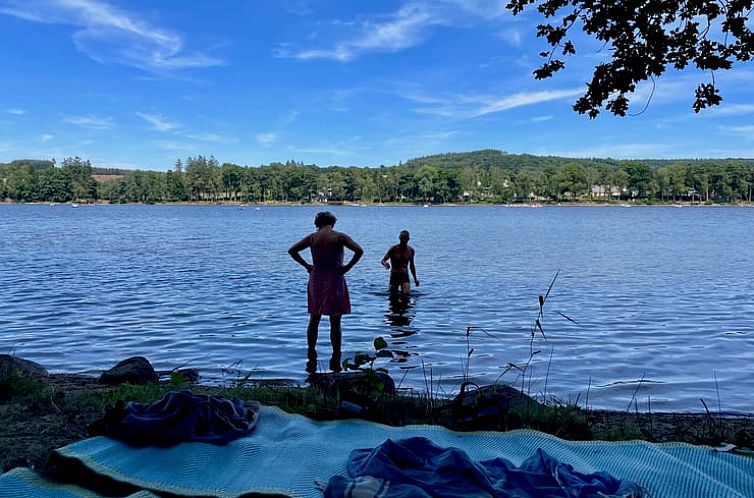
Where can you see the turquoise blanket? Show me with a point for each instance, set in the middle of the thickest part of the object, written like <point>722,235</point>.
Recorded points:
<point>289,454</point>
<point>23,483</point>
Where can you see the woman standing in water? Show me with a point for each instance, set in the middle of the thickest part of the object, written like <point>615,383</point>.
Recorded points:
<point>327,292</point>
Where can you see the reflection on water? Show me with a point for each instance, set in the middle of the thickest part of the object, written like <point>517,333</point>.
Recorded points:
<point>400,314</point>
<point>658,293</point>
<point>400,310</point>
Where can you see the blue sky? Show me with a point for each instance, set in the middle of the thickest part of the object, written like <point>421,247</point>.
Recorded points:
<point>139,84</point>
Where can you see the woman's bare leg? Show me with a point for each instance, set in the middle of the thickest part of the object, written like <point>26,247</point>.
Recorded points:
<point>312,331</point>
<point>335,340</point>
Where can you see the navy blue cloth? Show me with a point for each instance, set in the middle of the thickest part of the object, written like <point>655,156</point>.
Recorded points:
<point>416,468</point>
<point>179,417</point>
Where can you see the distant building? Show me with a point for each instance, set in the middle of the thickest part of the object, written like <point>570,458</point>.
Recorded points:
<point>602,191</point>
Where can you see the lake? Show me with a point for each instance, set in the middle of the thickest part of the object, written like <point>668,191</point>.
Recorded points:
<point>658,299</point>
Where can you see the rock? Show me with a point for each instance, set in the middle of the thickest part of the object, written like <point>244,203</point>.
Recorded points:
<point>503,395</point>
<point>494,407</point>
<point>136,370</point>
<point>9,363</point>
<point>360,382</point>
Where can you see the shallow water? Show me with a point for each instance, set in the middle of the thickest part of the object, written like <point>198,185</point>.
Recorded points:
<point>660,297</point>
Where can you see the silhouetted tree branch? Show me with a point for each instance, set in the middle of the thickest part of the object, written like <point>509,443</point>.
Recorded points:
<point>645,38</point>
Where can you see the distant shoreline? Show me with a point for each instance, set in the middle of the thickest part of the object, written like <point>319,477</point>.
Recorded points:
<point>245,205</point>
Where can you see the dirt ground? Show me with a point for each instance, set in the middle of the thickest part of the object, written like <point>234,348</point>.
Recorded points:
<point>30,428</point>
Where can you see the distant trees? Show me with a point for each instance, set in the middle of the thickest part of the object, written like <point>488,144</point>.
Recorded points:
<point>481,176</point>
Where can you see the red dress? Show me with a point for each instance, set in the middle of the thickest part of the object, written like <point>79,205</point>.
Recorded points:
<point>327,292</point>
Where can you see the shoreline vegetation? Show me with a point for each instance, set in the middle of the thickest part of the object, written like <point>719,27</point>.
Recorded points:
<point>243,205</point>
<point>40,412</point>
<point>469,178</point>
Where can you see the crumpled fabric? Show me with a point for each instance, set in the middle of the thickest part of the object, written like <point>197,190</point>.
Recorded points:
<point>416,468</point>
<point>179,417</point>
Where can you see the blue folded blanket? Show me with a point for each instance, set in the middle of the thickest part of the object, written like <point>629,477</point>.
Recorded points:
<point>179,417</point>
<point>416,468</point>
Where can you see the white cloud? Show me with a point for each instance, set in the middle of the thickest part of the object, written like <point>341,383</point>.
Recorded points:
<point>404,28</point>
<point>747,131</point>
<point>16,112</point>
<point>46,137</point>
<point>174,146</point>
<point>472,106</point>
<point>158,122</point>
<point>209,137</point>
<point>110,35</point>
<point>728,110</point>
<point>267,139</point>
<point>326,151</point>
<point>539,119</point>
<point>92,122</point>
<point>512,36</point>
<point>524,98</point>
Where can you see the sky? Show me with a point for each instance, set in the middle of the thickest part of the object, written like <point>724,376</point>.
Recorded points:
<point>140,84</point>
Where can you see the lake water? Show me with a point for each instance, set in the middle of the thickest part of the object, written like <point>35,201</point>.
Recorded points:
<point>661,297</point>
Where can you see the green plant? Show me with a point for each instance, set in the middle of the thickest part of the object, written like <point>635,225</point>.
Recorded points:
<point>364,360</point>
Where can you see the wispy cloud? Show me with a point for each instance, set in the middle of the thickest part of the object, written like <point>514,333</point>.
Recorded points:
<point>746,131</point>
<point>158,122</point>
<point>410,25</point>
<point>512,36</point>
<point>111,35</point>
<point>523,99</point>
<point>539,119</point>
<point>329,150</point>
<point>93,122</point>
<point>16,112</point>
<point>729,110</point>
<point>174,146</point>
<point>266,139</point>
<point>209,137</point>
<point>46,137</point>
<point>326,151</point>
<point>472,106</point>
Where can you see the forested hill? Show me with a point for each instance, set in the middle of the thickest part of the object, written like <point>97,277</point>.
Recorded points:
<point>492,158</point>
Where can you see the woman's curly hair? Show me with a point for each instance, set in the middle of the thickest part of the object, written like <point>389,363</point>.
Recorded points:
<point>324,218</point>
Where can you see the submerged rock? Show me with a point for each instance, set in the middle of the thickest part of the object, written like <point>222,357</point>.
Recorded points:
<point>361,382</point>
<point>136,370</point>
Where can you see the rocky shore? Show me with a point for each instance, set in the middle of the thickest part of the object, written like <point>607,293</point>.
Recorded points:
<point>40,412</point>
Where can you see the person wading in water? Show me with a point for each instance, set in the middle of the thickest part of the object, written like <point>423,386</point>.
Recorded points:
<point>327,292</point>
<point>401,258</point>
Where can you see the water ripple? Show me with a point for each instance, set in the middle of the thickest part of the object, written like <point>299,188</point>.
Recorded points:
<point>657,294</point>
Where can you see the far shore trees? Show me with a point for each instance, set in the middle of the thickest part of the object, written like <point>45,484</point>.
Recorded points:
<point>487,176</point>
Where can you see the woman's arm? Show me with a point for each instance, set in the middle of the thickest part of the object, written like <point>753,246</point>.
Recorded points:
<point>358,252</point>
<point>297,248</point>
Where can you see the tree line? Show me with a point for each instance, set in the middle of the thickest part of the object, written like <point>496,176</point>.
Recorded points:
<point>482,176</point>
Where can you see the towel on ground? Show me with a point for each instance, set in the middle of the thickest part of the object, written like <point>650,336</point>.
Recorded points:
<point>416,468</point>
<point>179,417</point>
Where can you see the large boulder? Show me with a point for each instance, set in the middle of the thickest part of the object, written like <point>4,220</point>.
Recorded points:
<point>135,370</point>
<point>9,364</point>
